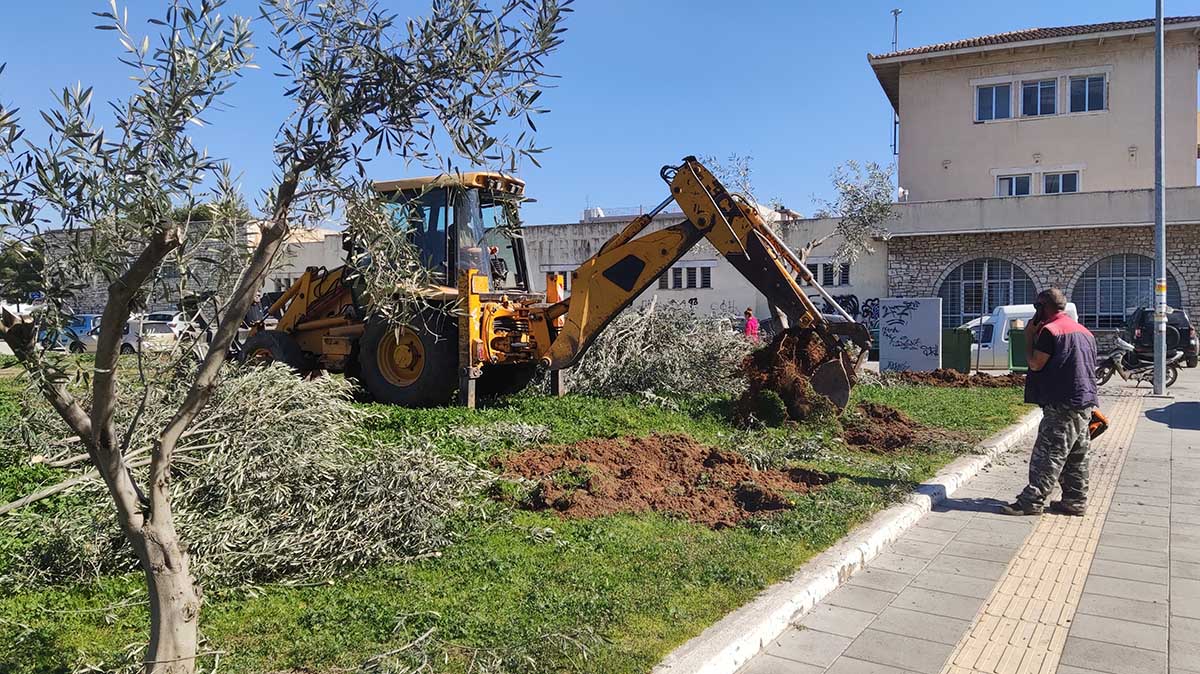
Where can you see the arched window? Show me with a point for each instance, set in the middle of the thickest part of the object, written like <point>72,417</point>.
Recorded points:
<point>976,287</point>
<point>1117,284</point>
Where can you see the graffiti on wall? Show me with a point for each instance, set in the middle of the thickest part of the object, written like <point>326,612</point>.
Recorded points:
<point>870,313</point>
<point>910,334</point>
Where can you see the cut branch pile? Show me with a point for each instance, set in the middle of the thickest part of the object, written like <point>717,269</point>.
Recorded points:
<point>273,481</point>
<point>662,349</point>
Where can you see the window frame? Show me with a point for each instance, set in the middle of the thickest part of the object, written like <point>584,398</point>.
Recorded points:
<point>705,277</point>
<point>1052,82</point>
<point>1060,175</point>
<point>993,117</point>
<point>1012,177</point>
<point>1087,93</point>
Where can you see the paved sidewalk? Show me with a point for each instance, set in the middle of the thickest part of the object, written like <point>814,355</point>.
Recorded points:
<point>968,590</point>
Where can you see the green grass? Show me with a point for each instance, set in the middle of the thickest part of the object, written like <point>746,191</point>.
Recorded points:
<point>979,412</point>
<point>612,594</point>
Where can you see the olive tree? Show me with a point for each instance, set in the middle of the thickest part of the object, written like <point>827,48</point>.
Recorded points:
<point>862,206</point>
<point>457,85</point>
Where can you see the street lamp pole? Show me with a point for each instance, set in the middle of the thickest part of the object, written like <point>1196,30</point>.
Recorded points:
<point>1160,228</point>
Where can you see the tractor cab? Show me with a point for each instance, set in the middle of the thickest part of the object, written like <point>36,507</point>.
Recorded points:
<point>462,222</point>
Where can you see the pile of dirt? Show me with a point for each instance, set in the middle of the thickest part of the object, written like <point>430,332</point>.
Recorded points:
<point>783,368</point>
<point>662,473</point>
<point>882,429</point>
<point>956,379</point>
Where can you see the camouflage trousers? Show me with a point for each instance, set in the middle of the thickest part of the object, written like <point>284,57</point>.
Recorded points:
<point>1060,455</point>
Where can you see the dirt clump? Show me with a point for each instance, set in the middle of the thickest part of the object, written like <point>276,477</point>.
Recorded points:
<point>662,473</point>
<point>882,429</point>
<point>955,379</point>
<point>783,368</point>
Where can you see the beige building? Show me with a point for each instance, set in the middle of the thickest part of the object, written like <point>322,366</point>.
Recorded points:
<point>305,248</point>
<point>995,115</point>
<point>1027,160</point>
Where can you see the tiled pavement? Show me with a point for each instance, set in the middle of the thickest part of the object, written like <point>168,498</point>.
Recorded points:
<point>968,590</point>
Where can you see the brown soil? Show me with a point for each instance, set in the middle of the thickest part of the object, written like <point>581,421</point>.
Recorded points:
<point>956,379</point>
<point>784,367</point>
<point>662,473</point>
<point>883,429</point>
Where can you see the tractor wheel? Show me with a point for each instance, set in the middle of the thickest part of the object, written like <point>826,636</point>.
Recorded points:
<point>502,380</point>
<point>272,346</point>
<point>414,366</point>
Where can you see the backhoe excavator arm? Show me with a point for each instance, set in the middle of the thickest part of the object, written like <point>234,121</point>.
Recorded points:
<point>628,264</point>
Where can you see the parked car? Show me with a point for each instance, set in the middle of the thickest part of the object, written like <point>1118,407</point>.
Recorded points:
<point>177,320</point>
<point>1181,333</point>
<point>138,334</point>
<point>989,334</point>
<point>73,337</point>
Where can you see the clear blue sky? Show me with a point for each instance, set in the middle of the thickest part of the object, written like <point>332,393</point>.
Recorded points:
<point>644,82</point>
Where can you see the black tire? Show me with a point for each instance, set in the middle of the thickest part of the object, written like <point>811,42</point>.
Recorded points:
<point>503,380</point>
<point>272,346</point>
<point>427,378</point>
<point>127,350</point>
<point>1172,374</point>
<point>1173,337</point>
<point>75,347</point>
<point>1193,361</point>
<point>1103,373</point>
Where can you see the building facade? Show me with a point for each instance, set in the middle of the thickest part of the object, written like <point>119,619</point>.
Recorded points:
<point>1027,159</point>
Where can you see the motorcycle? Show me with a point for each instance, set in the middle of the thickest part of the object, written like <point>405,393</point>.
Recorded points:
<point>1123,360</point>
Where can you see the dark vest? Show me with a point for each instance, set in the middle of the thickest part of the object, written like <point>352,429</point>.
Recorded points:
<point>1069,377</point>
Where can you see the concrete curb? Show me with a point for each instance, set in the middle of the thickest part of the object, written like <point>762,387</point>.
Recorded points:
<point>730,642</point>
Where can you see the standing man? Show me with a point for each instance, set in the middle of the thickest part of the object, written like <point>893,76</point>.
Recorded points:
<point>1062,380</point>
<point>751,326</point>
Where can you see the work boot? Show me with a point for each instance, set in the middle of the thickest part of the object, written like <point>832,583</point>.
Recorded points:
<point>1018,508</point>
<point>1068,508</point>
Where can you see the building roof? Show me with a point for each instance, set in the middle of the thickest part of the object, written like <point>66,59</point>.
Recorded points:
<point>1036,34</point>
<point>887,66</point>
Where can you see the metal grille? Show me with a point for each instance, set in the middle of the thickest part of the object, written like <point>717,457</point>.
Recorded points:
<point>1116,285</point>
<point>977,287</point>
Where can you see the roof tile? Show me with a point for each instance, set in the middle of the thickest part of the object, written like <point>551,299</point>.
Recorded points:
<point>1034,34</point>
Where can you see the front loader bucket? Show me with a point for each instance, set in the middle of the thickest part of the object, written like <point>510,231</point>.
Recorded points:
<point>831,380</point>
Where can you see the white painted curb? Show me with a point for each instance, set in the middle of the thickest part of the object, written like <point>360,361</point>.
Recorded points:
<point>730,642</point>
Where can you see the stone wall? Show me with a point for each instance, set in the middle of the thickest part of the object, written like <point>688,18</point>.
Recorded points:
<point>1055,257</point>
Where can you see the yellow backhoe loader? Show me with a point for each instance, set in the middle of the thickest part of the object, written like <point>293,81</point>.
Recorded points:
<point>490,332</point>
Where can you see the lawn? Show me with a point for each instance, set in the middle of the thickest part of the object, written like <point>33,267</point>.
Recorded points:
<point>518,591</point>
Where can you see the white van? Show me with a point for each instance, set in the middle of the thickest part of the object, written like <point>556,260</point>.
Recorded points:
<point>989,334</point>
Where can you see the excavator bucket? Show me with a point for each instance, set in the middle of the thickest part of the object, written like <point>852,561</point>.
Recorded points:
<point>831,380</point>
<point>834,378</point>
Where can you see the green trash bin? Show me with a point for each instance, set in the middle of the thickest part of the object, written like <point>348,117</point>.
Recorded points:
<point>956,349</point>
<point>1016,351</point>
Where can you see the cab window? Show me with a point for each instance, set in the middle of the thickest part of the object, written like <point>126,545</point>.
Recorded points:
<point>505,266</point>
<point>426,217</point>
